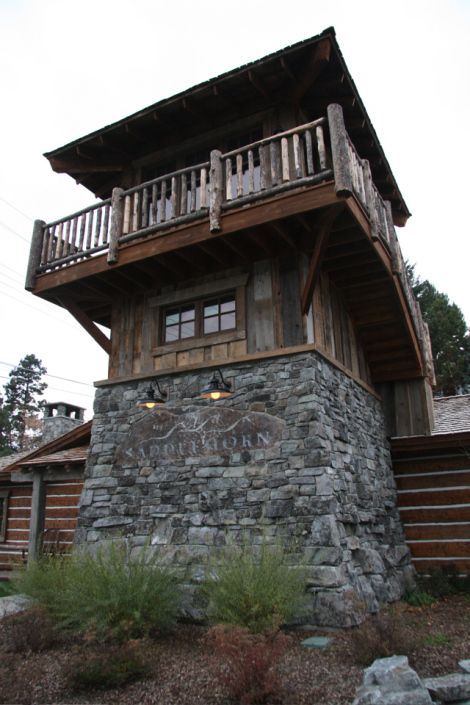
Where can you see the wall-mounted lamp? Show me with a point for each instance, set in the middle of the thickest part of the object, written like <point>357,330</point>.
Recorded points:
<point>151,399</point>
<point>217,388</point>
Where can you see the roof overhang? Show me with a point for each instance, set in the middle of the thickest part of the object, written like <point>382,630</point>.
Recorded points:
<point>311,74</point>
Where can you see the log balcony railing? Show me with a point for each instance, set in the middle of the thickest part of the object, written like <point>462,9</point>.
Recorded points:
<point>316,151</point>
<point>303,156</point>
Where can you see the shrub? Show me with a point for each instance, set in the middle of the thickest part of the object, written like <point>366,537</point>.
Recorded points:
<point>438,639</point>
<point>28,631</point>
<point>419,598</point>
<point>250,660</point>
<point>257,593</point>
<point>445,581</point>
<point>116,667</point>
<point>382,635</point>
<point>110,594</point>
<point>6,588</point>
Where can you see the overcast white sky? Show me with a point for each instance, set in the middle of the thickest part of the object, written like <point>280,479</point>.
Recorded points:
<point>69,67</point>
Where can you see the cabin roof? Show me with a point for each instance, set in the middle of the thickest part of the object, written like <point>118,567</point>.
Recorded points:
<point>71,455</point>
<point>452,414</point>
<point>97,160</point>
<point>77,437</point>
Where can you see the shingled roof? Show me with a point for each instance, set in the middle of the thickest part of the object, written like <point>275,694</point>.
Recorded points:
<point>452,414</point>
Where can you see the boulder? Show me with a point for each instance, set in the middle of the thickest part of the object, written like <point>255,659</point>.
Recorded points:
<point>454,687</point>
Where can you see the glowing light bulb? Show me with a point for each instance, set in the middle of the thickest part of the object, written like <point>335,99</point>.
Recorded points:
<point>215,395</point>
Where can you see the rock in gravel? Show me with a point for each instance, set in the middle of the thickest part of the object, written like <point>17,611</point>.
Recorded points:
<point>391,681</point>
<point>13,604</point>
<point>451,688</point>
<point>465,665</point>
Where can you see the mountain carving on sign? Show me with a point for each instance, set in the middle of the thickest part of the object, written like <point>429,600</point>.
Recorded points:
<point>201,432</point>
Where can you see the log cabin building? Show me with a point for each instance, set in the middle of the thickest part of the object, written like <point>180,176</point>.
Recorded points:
<point>246,231</point>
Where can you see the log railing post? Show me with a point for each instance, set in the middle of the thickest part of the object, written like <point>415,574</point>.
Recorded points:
<point>393,240</point>
<point>215,191</point>
<point>340,151</point>
<point>117,217</point>
<point>370,200</point>
<point>34,254</point>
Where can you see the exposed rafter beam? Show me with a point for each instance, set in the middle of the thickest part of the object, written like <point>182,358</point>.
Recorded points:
<point>60,166</point>
<point>318,60</point>
<point>85,321</point>
<point>323,233</point>
<point>259,85</point>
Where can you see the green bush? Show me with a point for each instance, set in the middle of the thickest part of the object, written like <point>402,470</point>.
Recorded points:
<point>110,594</point>
<point>419,598</point>
<point>6,588</point>
<point>115,668</point>
<point>258,592</point>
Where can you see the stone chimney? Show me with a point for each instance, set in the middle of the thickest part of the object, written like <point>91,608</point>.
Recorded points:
<point>59,418</point>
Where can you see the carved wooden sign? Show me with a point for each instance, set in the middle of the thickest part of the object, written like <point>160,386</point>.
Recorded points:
<point>197,433</point>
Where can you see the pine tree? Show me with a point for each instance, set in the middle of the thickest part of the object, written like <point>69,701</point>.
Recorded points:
<point>21,399</point>
<point>449,333</point>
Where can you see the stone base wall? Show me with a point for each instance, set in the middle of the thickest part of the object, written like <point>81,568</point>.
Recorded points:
<point>298,456</point>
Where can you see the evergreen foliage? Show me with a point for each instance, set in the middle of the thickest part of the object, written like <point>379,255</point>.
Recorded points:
<point>449,333</point>
<point>256,591</point>
<point>21,403</point>
<point>111,594</point>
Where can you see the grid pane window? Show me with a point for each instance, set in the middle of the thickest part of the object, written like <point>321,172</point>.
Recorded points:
<point>200,318</point>
<point>219,314</point>
<point>180,323</point>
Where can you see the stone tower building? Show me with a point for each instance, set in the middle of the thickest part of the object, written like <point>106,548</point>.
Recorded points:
<point>247,234</point>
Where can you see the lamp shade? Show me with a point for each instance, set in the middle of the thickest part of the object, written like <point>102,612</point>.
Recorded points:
<point>217,388</point>
<point>150,399</point>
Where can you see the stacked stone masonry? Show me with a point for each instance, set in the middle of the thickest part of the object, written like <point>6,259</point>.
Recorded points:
<point>298,456</point>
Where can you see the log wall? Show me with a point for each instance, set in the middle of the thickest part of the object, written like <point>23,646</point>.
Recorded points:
<point>61,512</point>
<point>269,317</point>
<point>434,505</point>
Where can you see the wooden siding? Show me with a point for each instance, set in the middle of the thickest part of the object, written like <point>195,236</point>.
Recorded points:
<point>60,521</point>
<point>268,318</point>
<point>334,330</point>
<point>61,513</point>
<point>434,505</point>
<point>15,546</point>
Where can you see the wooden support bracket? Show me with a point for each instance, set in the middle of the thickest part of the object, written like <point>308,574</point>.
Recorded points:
<point>85,321</point>
<point>324,229</point>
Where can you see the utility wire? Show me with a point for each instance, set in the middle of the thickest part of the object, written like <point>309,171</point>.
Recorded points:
<point>64,379</point>
<point>10,269</point>
<point>7,227</point>
<point>66,391</point>
<point>34,308</point>
<point>15,208</point>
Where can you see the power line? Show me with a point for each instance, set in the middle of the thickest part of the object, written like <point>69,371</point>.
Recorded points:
<point>15,208</point>
<point>34,308</point>
<point>15,271</point>
<point>7,227</point>
<point>64,379</point>
<point>66,391</point>
<point>8,277</point>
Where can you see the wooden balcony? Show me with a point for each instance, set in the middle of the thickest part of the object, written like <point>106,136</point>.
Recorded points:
<point>239,206</point>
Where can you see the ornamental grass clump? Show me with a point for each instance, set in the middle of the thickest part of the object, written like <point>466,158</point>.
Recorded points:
<point>256,590</point>
<point>111,594</point>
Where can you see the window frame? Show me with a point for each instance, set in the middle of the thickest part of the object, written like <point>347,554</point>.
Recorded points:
<point>198,295</point>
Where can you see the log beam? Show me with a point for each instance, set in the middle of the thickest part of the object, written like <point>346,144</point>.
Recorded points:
<point>85,321</point>
<point>318,60</point>
<point>324,229</point>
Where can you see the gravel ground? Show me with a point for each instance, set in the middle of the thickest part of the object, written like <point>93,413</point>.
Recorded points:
<point>184,669</point>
